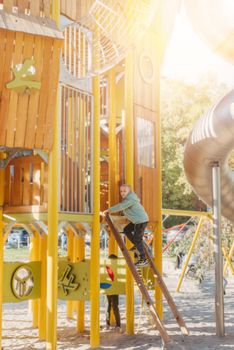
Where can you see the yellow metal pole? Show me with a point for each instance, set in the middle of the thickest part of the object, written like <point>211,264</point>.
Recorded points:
<point>157,242</point>
<point>52,252</point>
<point>190,253</point>
<point>42,301</point>
<point>95,241</point>
<point>2,183</point>
<point>80,326</point>
<point>113,248</point>
<point>129,156</point>
<point>35,257</point>
<point>70,255</point>
<point>225,254</point>
<point>230,255</point>
<point>177,212</point>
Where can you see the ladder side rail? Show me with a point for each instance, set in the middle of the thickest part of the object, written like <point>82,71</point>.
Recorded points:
<point>138,280</point>
<point>166,293</point>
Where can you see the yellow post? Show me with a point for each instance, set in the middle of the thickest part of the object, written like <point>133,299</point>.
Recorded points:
<point>52,257</point>
<point>129,156</point>
<point>157,242</point>
<point>42,301</point>
<point>190,253</point>
<point>229,256</point>
<point>95,241</point>
<point>70,255</point>
<point>225,254</point>
<point>2,181</point>
<point>113,248</point>
<point>35,257</point>
<point>80,326</point>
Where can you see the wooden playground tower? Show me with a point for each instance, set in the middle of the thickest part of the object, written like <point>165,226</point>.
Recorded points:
<point>68,138</point>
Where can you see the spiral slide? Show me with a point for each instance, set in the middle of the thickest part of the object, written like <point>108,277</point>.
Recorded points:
<point>212,138</point>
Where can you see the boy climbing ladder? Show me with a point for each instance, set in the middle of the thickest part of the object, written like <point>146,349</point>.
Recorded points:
<point>138,218</point>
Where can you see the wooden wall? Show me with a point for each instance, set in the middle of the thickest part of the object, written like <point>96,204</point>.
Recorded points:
<point>32,7</point>
<point>146,106</point>
<point>75,9</point>
<point>27,118</point>
<point>26,184</point>
<point>76,148</point>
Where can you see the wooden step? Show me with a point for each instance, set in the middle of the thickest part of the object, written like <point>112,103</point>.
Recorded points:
<point>150,304</point>
<point>166,293</point>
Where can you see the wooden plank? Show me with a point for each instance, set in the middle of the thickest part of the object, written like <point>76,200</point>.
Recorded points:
<point>35,7</point>
<point>62,6</point>
<point>43,92</point>
<point>22,110</point>
<point>7,186</point>
<point>36,183</point>
<point>13,103</point>
<point>26,187</point>
<point>16,187</point>
<point>5,95</point>
<point>45,185</point>
<point>7,5</point>
<point>46,4</point>
<point>68,8</point>
<point>22,6</point>
<point>33,106</point>
<point>53,87</point>
<point>11,179</point>
<point>42,180</point>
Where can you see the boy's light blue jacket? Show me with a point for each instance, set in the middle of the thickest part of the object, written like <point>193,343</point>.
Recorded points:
<point>132,209</point>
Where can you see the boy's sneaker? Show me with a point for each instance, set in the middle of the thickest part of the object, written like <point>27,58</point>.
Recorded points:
<point>142,262</point>
<point>133,249</point>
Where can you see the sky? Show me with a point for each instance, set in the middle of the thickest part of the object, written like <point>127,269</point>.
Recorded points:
<point>188,58</point>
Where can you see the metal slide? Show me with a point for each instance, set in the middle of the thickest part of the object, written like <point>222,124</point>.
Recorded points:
<point>211,141</point>
<point>212,138</point>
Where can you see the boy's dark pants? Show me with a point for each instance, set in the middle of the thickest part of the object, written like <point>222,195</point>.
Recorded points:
<point>135,233</point>
<point>113,302</point>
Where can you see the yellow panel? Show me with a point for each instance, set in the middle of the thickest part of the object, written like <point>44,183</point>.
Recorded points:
<point>73,280</point>
<point>21,281</point>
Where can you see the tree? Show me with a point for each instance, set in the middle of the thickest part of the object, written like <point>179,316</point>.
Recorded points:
<point>181,106</point>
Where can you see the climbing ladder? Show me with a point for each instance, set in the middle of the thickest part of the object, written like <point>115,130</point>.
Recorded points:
<point>149,302</point>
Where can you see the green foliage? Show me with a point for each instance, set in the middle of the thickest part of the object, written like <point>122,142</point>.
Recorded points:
<point>181,106</point>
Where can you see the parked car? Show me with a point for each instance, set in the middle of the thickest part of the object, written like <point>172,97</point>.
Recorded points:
<point>18,237</point>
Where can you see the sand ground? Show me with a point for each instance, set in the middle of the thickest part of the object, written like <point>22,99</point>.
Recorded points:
<point>195,302</point>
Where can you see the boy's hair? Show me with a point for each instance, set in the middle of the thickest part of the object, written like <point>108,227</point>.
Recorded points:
<point>112,256</point>
<point>126,185</point>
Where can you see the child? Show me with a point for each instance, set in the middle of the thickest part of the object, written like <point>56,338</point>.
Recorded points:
<point>138,218</point>
<point>113,304</point>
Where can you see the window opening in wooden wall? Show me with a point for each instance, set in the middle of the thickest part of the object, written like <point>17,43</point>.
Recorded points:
<point>146,142</point>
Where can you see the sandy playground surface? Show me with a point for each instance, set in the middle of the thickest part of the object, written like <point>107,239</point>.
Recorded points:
<point>195,302</point>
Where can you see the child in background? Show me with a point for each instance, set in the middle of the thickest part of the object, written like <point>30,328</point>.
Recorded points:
<point>138,218</point>
<point>113,304</point>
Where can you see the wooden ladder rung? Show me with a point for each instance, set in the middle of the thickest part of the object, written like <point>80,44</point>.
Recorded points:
<point>166,293</point>
<point>150,304</point>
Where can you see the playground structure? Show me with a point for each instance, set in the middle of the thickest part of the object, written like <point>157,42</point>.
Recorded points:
<point>69,140</point>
